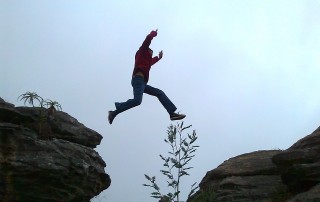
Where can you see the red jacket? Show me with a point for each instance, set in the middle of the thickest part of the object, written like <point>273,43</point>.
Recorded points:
<point>144,59</point>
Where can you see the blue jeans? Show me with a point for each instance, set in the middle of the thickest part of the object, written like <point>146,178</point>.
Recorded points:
<point>140,87</point>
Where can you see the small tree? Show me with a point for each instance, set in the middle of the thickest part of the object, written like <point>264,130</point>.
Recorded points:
<point>31,97</point>
<point>52,106</point>
<point>176,165</point>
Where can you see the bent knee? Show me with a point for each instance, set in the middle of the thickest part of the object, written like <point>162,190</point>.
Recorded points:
<point>137,102</point>
<point>160,93</point>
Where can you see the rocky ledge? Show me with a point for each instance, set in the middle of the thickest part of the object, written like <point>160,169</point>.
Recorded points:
<point>46,158</point>
<point>290,175</point>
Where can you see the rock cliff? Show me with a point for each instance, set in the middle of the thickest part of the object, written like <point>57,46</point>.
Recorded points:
<point>48,158</point>
<point>290,175</point>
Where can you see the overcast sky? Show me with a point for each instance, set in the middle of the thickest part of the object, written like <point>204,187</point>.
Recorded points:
<point>246,74</point>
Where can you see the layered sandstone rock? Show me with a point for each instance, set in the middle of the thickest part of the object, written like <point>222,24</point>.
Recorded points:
<point>289,175</point>
<point>48,158</point>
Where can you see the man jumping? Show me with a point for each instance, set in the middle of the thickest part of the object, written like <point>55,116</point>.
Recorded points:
<point>140,78</point>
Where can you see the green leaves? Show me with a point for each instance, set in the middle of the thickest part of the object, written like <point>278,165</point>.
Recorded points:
<point>30,97</point>
<point>148,178</point>
<point>52,104</point>
<point>175,165</point>
<point>44,115</point>
<point>193,189</point>
<point>153,185</point>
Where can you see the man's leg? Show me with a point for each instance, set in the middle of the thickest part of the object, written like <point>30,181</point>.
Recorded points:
<point>138,85</point>
<point>165,101</point>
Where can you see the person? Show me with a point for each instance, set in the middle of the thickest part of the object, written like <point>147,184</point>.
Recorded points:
<point>140,78</point>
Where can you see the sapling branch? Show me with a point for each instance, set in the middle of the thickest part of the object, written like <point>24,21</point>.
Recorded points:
<point>175,165</point>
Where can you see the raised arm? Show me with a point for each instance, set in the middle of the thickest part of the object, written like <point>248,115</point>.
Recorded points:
<point>146,43</point>
<point>157,58</point>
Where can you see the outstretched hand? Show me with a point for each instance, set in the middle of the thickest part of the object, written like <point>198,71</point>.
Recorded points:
<point>160,54</point>
<point>154,33</point>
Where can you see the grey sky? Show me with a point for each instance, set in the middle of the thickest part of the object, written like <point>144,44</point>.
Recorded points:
<point>246,73</point>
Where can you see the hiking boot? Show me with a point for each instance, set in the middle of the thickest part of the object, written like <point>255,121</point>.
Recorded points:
<point>175,116</point>
<point>111,116</point>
